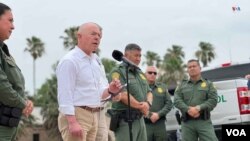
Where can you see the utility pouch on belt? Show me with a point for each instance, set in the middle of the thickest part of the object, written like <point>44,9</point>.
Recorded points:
<point>114,123</point>
<point>135,115</point>
<point>184,117</point>
<point>10,116</point>
<point>206,115</point>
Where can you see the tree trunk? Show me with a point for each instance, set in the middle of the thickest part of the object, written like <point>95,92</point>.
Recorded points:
<point>34,76</point>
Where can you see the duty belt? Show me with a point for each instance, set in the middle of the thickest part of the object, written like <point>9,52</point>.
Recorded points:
<point>135,114</point>
<point>10,116</point>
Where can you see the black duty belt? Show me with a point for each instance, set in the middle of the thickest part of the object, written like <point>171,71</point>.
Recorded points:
<point>10,116</point>
<point>135,114</point>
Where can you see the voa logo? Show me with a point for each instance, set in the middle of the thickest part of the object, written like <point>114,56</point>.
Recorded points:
<point>236,132</point>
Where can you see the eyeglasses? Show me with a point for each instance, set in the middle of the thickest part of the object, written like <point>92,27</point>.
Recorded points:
<point>151,72</point>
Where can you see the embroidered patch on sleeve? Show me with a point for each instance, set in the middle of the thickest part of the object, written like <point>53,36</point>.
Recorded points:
<point>142,77</point>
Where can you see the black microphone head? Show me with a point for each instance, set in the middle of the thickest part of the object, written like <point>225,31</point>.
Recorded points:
<point>117,55</point>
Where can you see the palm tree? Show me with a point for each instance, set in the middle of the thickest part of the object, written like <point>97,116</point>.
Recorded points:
<point>206,53</point>
<point>152,58</point>
<point>46,98</point>
<point>70,40</point>
<point>172,69</point>
<point>36,49</point>
<point>48,93</point>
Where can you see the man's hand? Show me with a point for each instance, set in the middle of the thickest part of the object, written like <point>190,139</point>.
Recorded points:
<point>28,108</point>
<point>144,108</point>
<point>154,117</point>
<point>74,127</point>
<point>193,112</point>
<point>113,89</point>
<point>115,86</point>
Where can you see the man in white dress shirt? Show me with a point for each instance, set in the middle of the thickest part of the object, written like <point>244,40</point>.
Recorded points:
<point>82,84</point>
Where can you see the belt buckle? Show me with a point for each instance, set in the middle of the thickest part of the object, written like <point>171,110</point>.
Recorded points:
<point>98,109</point>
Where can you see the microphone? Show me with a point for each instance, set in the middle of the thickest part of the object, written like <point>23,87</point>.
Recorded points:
<point>117,55</point>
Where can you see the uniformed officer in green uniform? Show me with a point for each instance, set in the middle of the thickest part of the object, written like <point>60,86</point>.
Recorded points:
<point>12,101</point>
<point>140,98</point>
<point>162,104</point>
<point>196,97</point>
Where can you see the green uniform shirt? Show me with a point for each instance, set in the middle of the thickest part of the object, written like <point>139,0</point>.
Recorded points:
<point>11,80</point>
<point>200,93</point>
<point>162,103</point>
<point>138,86</point>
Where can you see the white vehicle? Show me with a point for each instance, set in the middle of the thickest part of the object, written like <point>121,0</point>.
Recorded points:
<point>233,98</point>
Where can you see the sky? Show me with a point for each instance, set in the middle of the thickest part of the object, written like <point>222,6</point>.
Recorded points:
<point>155,25</point>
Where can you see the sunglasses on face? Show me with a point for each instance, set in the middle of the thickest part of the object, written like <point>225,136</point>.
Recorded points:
<point>151,72</point>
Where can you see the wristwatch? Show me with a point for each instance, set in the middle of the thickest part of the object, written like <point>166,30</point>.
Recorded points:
<point>112,94</point>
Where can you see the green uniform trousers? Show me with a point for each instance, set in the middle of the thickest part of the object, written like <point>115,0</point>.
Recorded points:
<point>138,131</point>
<point>7,133</point>
<point>156,131</point>
<point>193,129</point>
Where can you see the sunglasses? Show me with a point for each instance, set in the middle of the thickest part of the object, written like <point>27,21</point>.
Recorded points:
<point>151,72</point>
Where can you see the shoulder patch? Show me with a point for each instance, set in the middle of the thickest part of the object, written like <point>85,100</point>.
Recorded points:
<point>142,76</point>
<point>115,75</point>
<point>159,90</point>
<point>203,84</point>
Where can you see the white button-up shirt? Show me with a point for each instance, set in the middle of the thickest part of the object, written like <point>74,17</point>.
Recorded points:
<point>81,81</point>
